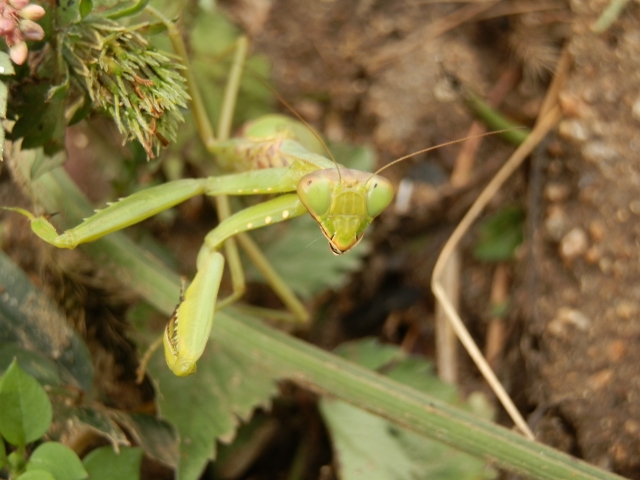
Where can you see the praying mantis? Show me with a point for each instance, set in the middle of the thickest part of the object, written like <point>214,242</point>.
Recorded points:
<point>271,157</point>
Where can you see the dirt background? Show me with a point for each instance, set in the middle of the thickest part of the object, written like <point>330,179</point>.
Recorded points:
<point>379,73</point>
<point>374,72</point>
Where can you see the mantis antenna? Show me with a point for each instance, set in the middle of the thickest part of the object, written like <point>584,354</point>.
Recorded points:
<point>453,142</point>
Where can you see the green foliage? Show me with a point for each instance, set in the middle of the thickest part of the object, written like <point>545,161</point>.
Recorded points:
<point>238,384</point>
<point>369,447</point>
<point>57,459</point>
<point>106,464</point>
<point>26,411</point>
<point>97,64</point>
<point>26,416</point>
<point>500,235</point>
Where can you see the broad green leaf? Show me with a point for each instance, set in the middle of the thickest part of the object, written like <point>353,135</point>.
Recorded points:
<point>67,12</point>
<point>500,235</point>
<point>370,353</point>
<point>36,475</point>
<point>6,68</point>
<point>40,123</point>
<point>364,444</point>
<point>26,410</point>
<point>208,405</point>
<point>418,373</point>
<point>105,464</point>
<point>369,447</point>
<point>30,320</point>
<point>58,459</point>
<point>86,6</point>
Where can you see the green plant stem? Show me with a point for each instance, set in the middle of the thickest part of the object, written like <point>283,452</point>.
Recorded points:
<point>315,369</point>
<point>494,119</point>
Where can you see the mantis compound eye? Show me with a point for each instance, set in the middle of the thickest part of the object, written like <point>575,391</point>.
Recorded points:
<point>379,195</point>
<point>315,193</point>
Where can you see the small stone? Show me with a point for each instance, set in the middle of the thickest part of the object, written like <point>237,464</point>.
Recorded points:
<point>597,230</point>
<point>556,222</point>
<point>622,215</point>
<point>573,130</point>
<point>626,309</point>
<point>634,206</point>
<point>557,192</point>
<point>573,244</point>
<point>566,317</point>
<point>599,380</point>
<point>632,427</point>
<point>605,265</point>
<point>616,350</point>
<point>592,256</point>
<point>597,152</point>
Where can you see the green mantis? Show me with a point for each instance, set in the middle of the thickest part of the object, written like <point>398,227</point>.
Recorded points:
<point>343,202</point>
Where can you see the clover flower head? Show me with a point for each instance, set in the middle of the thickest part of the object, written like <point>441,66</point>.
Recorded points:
<point>17,25</point>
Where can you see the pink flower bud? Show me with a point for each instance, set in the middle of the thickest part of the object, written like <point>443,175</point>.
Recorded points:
<point>31,30</point>
<point>18,53</point>
<point>6,26</point>
<point>19,4</point>
<point>32,12</point>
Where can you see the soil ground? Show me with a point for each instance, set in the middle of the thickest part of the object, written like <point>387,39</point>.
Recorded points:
<point>372,72</point>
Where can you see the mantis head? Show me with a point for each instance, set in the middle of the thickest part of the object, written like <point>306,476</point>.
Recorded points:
<point>344,203</point>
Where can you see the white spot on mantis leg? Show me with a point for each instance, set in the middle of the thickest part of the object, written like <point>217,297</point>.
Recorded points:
<point>255,190</point>
<point>285,214</point>
<point>269,189</point>
<point>240,190</point>
<point>249,225</point>
<point>267,220</point>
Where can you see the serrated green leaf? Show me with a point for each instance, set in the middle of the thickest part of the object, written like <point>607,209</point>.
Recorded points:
<point>58,459</point>
<point>364,444</point>
<point>105,464</point>
<point>418,373</point>
<point>370,353</point>
<point>208,405</point>
<point>369,447</point>
<point>36,475</point>
<point>26,410</point>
